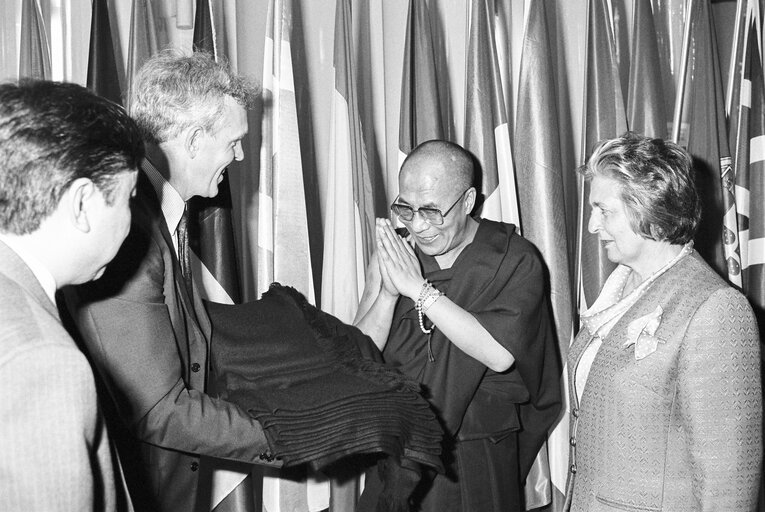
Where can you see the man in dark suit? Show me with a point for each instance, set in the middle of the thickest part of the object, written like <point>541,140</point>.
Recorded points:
<point>144,323</point>
<point>68,168</point>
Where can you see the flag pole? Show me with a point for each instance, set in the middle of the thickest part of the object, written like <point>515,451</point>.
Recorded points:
<point>733,55</point>
<point>680,95</point>
<point>579,178</point>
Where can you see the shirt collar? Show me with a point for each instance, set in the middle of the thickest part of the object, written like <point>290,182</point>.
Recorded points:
<point>171,202</point>
<point>41,273</point>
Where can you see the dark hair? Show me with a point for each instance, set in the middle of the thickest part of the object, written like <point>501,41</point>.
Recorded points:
<point>450,155</point>
<point>173,91</point>
<point>656,185</point>
<point>51,134</point>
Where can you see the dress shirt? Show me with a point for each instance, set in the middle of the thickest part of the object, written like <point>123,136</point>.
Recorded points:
<point>171,202</point>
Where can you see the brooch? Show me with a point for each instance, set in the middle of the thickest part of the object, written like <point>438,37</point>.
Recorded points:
<point>641,333</point>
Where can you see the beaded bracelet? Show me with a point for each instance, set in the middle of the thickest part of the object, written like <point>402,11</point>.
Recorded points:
<point>428,295</point>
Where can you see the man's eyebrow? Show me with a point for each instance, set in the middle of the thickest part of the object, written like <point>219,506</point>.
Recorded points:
<point>430,206</point>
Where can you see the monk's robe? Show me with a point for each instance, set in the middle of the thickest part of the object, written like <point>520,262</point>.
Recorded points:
<point>495,422</point>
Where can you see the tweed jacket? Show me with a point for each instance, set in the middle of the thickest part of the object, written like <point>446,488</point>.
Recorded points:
<point>54,448</point>
<point>680,429</point>
<point>150,342</point>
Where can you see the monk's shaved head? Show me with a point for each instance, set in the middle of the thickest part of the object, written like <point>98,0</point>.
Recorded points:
<point>446,160</point>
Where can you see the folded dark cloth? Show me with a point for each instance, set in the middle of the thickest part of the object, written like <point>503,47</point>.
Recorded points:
<point>318,386</point>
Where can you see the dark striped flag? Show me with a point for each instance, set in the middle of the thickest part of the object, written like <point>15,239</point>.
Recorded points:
<point>750,169</point>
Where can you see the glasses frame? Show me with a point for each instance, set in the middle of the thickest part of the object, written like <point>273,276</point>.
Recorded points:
<point>427,208</point>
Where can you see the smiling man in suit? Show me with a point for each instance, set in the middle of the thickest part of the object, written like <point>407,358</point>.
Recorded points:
<point>144,324</point>
<point>68,168</point>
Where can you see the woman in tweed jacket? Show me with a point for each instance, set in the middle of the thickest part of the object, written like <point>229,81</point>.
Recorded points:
<point>664,375</point>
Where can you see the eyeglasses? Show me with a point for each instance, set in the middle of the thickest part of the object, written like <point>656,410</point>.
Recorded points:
<point>430,215</point>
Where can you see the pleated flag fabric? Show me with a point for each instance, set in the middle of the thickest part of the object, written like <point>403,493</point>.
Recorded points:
<point>144,41</point>
<point>283,251</point>
<point>646,113</point>
<point>421,115</point>
<point>540,181</point>
<point>212,242</point>
<point>487,133</point>
<point>103,78</point>
<point>283,244</point>
<point>215,271</point>
<point>34,50</point>
<point>604,118</point>
<point>349,227</point>
<point>703,119</point>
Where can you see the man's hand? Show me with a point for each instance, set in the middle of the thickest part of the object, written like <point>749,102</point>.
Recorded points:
<point>398,263</point>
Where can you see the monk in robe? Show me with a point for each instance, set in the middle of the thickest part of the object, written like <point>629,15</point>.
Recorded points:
<point>459,305</point>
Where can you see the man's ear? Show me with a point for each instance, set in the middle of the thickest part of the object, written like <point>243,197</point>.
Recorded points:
<point>193,140</point>
<point>470,197</point>
<point>80,203</point>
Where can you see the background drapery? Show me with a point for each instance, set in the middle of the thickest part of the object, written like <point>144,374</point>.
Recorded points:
<point>541,80</point>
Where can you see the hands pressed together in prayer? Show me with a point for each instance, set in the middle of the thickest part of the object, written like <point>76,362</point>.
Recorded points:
<point>399,268</point>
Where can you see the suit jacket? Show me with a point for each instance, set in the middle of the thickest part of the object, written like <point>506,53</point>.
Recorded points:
<point>54,448</point>
<point>680,429</point>
<point>150,342</point>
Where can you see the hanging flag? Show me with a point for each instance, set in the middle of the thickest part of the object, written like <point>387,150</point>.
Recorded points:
<point>540,181</point>
<point>212,235</point>
<point>735,70</point>
<point>204,30</point>
<point>734,104</point>
<point>103,78</point>
<point>283,244</point>
<point>420,118</point>
<point>349,227</point>
<point>703,119</point>
<point>618,17</point>
<point>214,267</point>
<point>604,118</point>
<point>750,166</point>
<point>143,42</point>
<point>646,112</point>
<point>283,250</point>
<point>487,134</point>
<point>34,50</point>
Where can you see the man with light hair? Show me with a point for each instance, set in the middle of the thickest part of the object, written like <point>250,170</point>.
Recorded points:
<point>68,169</point>
<point>144,323</point>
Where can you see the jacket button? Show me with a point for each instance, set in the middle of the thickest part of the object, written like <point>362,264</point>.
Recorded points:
<point>573,468</point>
<point>575,412</point>
<point>195,367</point>
<point>194,466</point>
<point>572,441</point>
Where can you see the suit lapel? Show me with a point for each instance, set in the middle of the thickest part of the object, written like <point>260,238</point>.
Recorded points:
<point>193,316</point>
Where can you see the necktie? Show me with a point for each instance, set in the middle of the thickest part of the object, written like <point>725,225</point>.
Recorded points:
<point>184,254</point>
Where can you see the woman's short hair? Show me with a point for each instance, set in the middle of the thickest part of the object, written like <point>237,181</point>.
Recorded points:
<point>173,91</point>
<point>656,184</point>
